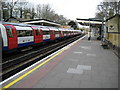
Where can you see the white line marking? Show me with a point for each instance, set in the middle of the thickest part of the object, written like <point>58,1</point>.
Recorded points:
<point>66,47</point>
<point>91,54</point>
<point>78,52</point>
<point>74,71</point>
<point>73,60</point>
<point>84,67</point>
<point>85,47</point>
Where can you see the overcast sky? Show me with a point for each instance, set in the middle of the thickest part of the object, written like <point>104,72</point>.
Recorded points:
<point>72,9</point>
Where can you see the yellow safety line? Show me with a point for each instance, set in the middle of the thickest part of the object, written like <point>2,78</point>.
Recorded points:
<point>21,77</point>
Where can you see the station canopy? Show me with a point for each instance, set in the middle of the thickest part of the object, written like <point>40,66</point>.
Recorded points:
<point>43,22</point>
<point>89,22</point>
<point>82,26</point>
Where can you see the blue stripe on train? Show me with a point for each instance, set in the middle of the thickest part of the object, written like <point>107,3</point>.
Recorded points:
<point>57,38</point>
<point>25,44</point>
<point>5,48</point>
<point>30,43</point>
<point>45,40</point>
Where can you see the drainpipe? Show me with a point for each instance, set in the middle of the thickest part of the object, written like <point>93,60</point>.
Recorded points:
<point>118,29</point>
<point>1,12</point>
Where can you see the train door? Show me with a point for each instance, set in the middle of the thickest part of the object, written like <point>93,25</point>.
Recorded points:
<point>70,33</point>
<point>73,33</point>
<point>67,33</point>
<point>38,36</point>
<point>63,33</point>
<point>60,34</point>
<point>52,35</point>
<point>57,35</point>
<point>12,36</point>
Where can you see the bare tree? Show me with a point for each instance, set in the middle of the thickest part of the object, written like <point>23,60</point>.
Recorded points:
<point>11,4</point>
<point>32,11</point>
<point>46,12</point>
<point>5,10</point>
<point>20,6</point>
<point>39,10</point>
<point>26,12</point>
<point>13,8</point>
<point>110,8</point>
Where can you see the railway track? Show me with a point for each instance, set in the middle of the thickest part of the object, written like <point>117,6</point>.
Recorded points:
<point>16,64</point>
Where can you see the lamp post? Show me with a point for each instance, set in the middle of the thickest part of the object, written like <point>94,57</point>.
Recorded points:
<point>89,32</point>
<point>89,28</point>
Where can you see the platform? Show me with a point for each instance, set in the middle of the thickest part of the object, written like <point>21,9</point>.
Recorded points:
<point>83,65</point>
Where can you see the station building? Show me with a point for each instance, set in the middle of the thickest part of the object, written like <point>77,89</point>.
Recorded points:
<point>113,32</point>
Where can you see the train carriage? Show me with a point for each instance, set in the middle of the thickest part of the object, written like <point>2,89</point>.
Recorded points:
<point>16,36</point>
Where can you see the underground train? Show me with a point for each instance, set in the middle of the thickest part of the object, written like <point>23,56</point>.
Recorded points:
<point>17,36</point>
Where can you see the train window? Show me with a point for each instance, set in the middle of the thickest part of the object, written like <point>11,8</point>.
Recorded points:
<point>37,32</point>
<point>61,32</point>
<point>23,33</point>
<point>9,32</point>
<point>52,32</point>
<point>46,32</point>
<point>29,33</point>
<point>57,32</point>
<point>66,32</point>
<point>41,33</point>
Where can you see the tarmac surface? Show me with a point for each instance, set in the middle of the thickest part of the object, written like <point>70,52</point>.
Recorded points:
<point>86,64</point>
